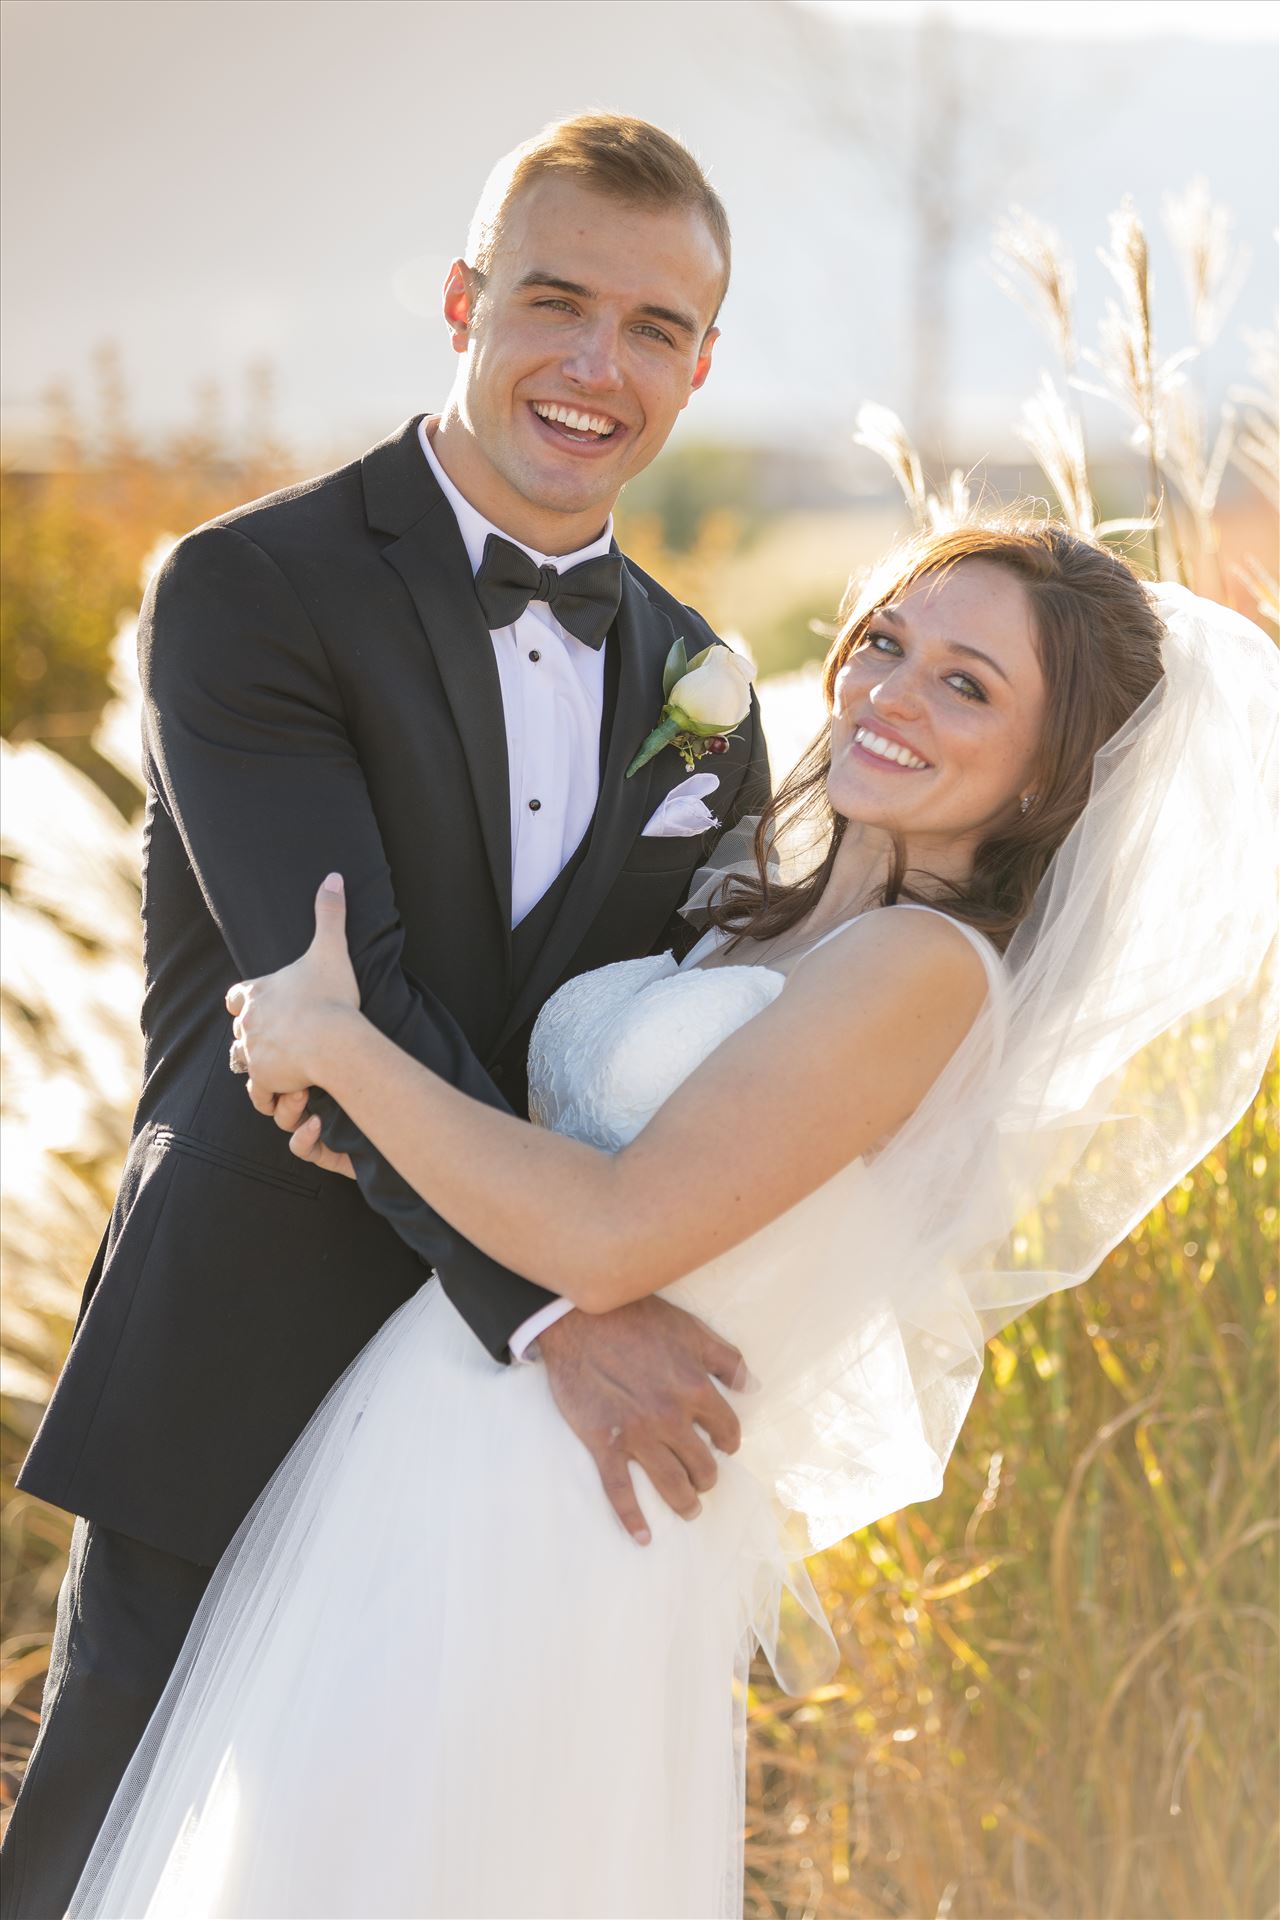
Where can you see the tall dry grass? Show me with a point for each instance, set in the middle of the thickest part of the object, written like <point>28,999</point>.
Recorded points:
<point>1059,1690</point>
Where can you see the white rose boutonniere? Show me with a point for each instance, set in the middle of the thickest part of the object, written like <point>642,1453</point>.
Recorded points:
<point>704,699</point>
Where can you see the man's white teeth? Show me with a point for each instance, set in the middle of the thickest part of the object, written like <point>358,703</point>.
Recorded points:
<point>888,749</point>
<point>578,422</point>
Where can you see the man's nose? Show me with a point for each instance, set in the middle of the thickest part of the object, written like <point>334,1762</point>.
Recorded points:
<point>594,362</point>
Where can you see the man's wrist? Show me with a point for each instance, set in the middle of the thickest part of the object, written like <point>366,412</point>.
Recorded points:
<point>523,1344</point>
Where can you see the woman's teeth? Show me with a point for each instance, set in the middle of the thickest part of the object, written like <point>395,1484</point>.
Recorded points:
<point>888,750</point>
<point>596,423</point>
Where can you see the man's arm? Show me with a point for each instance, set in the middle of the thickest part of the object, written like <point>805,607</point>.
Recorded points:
<point>249,749</point>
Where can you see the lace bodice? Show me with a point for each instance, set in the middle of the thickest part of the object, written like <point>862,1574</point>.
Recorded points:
<point>612,1045</point>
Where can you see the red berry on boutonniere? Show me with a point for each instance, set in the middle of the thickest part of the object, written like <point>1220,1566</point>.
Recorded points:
<point>718,745</point>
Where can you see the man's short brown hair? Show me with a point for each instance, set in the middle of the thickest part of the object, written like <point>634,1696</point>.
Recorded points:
<point>611,153</point>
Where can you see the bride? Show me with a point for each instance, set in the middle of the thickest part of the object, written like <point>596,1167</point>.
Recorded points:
<point>889,1099</point>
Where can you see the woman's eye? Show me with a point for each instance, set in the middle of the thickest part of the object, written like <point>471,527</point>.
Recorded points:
<point>967,686</point>
<point>964,683</point>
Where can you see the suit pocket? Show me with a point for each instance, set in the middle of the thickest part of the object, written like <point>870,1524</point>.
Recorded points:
<point>669,853</point>
<point>306,1185</point>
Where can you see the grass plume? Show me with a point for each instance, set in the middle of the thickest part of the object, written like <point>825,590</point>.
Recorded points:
<point>1032,269</point>
<point>1055,435</point>
<point>1213,267</point>
<point>881,432</point>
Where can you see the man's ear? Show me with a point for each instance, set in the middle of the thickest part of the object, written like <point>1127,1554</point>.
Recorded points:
<point>461,292</point>
<point>703,368</point>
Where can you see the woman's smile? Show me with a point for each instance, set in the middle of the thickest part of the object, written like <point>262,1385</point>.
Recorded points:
<point>889,749</point>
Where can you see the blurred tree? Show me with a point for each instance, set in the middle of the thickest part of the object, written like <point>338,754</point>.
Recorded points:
<point>75,533</point>
<point>947,126</point>
<point>693,479</point>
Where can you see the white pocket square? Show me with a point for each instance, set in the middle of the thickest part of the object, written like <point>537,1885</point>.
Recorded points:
<point>683,812</point>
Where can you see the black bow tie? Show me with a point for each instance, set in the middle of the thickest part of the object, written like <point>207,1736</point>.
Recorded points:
<point>584,600</point>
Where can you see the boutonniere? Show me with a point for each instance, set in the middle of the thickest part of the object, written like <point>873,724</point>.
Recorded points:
<point>703,700</point>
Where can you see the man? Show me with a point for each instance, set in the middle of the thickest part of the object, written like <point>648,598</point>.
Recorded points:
<point>429,671</point>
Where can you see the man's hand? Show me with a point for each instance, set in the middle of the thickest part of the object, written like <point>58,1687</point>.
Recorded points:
<point>291,1117</point>
<point>636,1384</point>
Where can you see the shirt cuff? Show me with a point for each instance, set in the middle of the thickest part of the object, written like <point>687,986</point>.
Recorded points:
<point>527,1332</point>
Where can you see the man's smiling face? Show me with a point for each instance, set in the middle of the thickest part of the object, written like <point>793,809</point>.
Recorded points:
<point>583,342</point>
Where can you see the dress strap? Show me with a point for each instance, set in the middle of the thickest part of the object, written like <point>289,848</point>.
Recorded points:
<point>987,953</point>
<point>830,935</point>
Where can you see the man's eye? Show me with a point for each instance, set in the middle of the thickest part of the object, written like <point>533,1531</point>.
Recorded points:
<point>656,333</point>
<point>557,306</point>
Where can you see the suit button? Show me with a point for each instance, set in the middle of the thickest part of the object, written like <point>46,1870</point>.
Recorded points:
<point>535,806</point>
<point>534,655</point>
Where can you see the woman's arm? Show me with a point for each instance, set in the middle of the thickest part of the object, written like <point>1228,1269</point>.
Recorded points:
<point>836,1063</point>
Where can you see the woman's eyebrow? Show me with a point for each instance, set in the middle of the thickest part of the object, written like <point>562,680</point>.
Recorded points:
<point>956,646</point>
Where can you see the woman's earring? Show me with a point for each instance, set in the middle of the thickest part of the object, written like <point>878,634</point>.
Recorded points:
<point>1027,801</point>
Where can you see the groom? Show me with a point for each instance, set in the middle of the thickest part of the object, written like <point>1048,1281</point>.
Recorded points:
<point>429,671</point>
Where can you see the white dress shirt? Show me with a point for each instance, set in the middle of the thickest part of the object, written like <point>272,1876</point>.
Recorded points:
<point>552,705</point>
<point>552,702</point>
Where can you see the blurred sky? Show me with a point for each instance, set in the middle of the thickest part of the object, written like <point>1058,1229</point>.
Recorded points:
<point>213,182</point>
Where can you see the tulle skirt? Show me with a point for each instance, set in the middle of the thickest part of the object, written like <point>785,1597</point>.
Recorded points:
<point>434,1676</point>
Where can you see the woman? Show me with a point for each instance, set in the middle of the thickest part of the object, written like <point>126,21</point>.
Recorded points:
<point>877,1109</point>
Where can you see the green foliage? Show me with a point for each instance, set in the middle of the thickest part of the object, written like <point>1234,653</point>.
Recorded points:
<point>68,575</point>
<point>695,478</point>
<point>787,639</point>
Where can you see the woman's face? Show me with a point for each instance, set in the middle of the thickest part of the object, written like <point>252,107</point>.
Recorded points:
<point>938,714</point>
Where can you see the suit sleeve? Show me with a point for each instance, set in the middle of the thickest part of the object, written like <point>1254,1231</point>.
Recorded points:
<point>248,748</point>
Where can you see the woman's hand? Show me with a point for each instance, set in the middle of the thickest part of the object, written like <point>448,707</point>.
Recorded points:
<point>281,1021</point>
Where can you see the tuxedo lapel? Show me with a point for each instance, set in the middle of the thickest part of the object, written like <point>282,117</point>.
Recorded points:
<point>403,498</point>
<point>645,636</point>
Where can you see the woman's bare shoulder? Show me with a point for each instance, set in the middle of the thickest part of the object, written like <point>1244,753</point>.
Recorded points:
<point>899,955</point>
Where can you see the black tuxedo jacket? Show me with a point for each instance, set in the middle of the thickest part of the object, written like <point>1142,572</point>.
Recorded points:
<point>321,693</point>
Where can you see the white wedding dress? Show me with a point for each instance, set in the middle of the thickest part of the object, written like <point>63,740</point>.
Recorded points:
<point>433,1675</point>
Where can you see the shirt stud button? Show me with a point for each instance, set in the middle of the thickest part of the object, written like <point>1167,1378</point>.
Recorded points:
<point>534,805</point>
<point>534,654</point>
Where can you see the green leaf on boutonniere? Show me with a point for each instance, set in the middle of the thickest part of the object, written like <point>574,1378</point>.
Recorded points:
<point>676,668</point>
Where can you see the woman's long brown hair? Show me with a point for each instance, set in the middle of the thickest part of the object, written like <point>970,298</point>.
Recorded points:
<point>1098,639</point>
